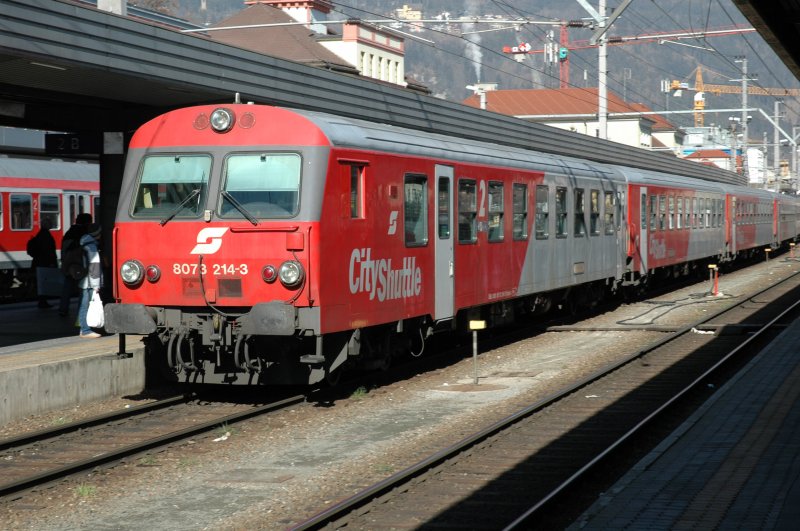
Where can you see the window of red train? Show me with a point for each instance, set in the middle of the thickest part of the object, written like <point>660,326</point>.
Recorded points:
<point>653,212</point>
<point>415,204</point>
<point>679,215</point>
<point>356,191</point>
<point>519,200</point>
<point>662,219</point>
<point>21,211</point>
<point>467,211</point>
<point>443,208</point>
<point>671,221</point>
<point>542,214</point>
<point>49,209</point>
<point>496,211</point>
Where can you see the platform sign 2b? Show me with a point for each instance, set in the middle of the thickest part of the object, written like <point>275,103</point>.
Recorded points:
<point>73,143</point>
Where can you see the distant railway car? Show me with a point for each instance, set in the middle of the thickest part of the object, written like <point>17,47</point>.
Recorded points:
<point>32,190</point>
<point>259,245</point>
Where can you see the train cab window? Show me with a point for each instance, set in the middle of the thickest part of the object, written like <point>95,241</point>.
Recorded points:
<point>171,186</point>
<point>519,199</point>
<point>662,213</point>
<point>356,191</point>
<point>594,212</point>
<point>415,206</point>
<point>542,216</point>
<point>561,212</point>
<point>443,208</point>
<point>496,212</point>
<point>653,212</point>
<point>467,211</point>
<point>21,211</point>
<point>261,185</point>
<point>579,228</point>
<point>50,210</point>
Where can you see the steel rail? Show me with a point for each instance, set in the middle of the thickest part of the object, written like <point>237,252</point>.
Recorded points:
<point>78,466</point>
<point>350,504</point>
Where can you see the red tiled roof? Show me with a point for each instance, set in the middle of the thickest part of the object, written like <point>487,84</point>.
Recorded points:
<point>521,102</point>
<point>294,42</point>
<point>708,154</point>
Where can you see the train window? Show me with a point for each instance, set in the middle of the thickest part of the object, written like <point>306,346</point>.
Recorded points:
<point>594,212</point>
<point>50,211</point>
<point>542,221</point>
<point>694,212</point>
<point>579,228</point>
<point>170,185</point>
<point>679,212</point>
<point>261,185</point>
<point>444,208</point>
<point>662,213</point>
<point>416,210</point>
<point>21,211</point>
<point>706,212</point>
<point>720,212</point>
<point>519,199</point>
<point>496,211</point>
<point>467,211</point>
<point>671,220</point>
<point>653,212</point>
<point>561,212</point>
<point>610,207</point>
<point>356,191</point>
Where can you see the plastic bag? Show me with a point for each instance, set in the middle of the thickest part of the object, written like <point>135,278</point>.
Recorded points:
<point>94,315</point>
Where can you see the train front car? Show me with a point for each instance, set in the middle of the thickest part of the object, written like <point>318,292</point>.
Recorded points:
<point>214,245</point>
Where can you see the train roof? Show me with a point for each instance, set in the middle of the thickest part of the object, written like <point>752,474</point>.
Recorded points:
<point>49,169</point>
<point>362,134</point>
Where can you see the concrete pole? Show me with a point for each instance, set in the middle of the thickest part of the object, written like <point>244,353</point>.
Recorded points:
<point>744,119</point>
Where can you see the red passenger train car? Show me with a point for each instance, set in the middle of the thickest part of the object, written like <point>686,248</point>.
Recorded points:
<point>32,190</point>
<point>262,245</point>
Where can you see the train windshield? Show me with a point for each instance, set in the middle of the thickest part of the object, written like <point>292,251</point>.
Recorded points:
<point>261,185</point>
<point>172,186</point>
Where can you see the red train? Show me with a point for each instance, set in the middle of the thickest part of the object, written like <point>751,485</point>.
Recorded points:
<point>32,190</point>
<point>256,244</point>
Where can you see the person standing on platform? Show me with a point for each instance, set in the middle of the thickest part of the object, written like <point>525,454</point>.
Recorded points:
<point>93,280</point>
<point>72,238</point>
<point>42,249</point>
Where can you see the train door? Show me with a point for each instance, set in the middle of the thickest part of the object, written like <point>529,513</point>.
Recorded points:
<point>643,236</point>
<point>74,203</point>
<point>445,268</point>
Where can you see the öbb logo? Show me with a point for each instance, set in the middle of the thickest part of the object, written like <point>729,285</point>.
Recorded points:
<point>209,240</point>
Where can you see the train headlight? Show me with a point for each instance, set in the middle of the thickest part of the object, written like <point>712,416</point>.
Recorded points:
<point>222,120</point>
<point>131,272</point>
<point>291,273</point>
<point>269,273</point>
<point>152,273</point>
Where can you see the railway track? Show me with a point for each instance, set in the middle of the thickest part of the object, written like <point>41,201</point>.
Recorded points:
<point>526,471</point>
<point>37,459</point>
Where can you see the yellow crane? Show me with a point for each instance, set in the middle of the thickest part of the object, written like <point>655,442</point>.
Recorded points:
<point>700,88</point>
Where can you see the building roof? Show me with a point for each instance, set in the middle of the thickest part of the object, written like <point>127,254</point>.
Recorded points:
<point>551,102</point>
<point>709,154</point>
<point>659,122</point>
<point>294,42</point>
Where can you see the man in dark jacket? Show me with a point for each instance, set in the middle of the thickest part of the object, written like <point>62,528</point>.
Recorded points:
<point>42,249</point>
<point>72,237</point>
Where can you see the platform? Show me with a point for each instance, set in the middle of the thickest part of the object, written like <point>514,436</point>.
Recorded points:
<point>44,365</point>
<point>734,464</point>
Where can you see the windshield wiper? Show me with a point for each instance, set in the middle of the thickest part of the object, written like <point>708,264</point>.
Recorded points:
<point>178,208</point>
<point>238,206</point>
